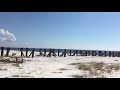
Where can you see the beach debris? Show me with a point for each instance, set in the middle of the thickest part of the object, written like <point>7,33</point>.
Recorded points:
<point>11,59</point>
<point>13,54</point>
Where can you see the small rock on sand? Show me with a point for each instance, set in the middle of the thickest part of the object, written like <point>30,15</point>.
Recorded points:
<point>115,60</point>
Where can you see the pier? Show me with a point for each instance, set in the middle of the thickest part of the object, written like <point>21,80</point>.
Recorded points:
<point>48,52</point>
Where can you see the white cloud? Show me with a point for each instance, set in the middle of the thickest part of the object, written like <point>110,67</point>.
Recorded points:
<point>6,36</point>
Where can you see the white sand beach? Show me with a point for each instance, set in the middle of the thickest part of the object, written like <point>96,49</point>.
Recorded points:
<point>54,67</point>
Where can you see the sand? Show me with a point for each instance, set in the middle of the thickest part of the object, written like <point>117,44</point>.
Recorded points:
<point>52,67</point>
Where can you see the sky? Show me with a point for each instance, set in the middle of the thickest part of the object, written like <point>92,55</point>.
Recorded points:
<point>70,30</point>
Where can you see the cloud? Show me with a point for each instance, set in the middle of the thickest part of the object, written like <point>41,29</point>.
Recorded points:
<point>6,36</point>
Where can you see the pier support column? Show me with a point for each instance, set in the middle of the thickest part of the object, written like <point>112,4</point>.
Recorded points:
<point>93,53</point>
<point>85,53</point>
<point>100,53</point>
<point>8,50</point>
<point>76,52</point>
<point>54,54</point>
<point>49,55</point>
<point>58,52</point>
<point>118,54</point>
<point>105,53</point>
<point>65,53</point>
<point>2,51</point>
<point>21,52</point>
<point>109,54</point>
<point>70,53</point>
<point>45,52</point>
<point>33,53</point>
<point>26,52</point>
